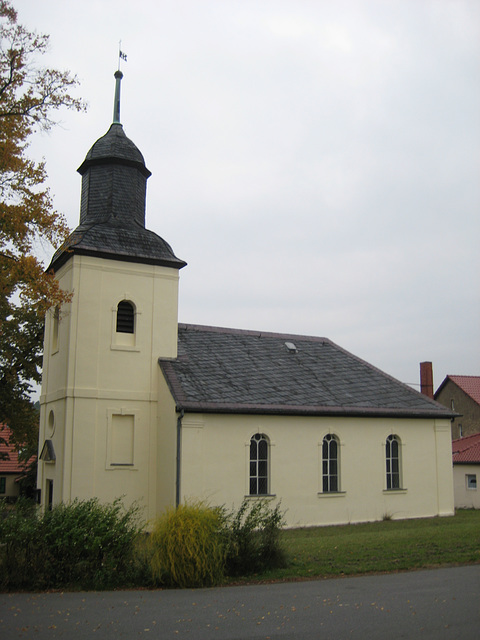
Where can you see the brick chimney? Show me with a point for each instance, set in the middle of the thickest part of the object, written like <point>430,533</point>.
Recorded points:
<point>426,379</point>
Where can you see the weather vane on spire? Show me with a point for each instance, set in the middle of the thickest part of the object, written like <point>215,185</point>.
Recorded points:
<point>118,78</point>
<point>121,54</point>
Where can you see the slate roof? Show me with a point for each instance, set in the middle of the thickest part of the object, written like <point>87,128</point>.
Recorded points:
<point>466,450</point>
<point>112,212</point>
<point>236,371</point>
<point>468,384</point>
<point>114,144</point>
<point>115,241</point>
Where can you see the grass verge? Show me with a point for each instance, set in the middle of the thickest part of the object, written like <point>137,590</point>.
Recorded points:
<point>394,545</point>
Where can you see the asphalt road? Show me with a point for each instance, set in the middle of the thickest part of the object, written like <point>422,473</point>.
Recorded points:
<point>436,604</point>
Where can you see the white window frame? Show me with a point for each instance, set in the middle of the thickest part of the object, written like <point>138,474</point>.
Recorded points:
<point>471,481</point>
<point>258,437</point>
<point>389,463</point>
<point>327,463</point>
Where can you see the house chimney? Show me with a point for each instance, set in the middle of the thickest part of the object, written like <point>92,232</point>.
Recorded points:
<point>426,379</point>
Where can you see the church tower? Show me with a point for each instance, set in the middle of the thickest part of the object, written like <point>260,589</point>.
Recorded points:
<point>99,397</point>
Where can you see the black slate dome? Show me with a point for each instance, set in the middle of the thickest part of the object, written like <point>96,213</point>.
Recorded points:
<point>112,209</point>
<point>114,145</point>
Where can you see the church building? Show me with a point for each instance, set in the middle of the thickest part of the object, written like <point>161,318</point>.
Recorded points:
<point>138,406</point>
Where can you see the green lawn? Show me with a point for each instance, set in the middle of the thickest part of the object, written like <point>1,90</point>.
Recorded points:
<point>379,547</point>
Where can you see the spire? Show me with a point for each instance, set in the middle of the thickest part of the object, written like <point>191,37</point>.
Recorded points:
<point>112,206</point>
<point>118,75</point>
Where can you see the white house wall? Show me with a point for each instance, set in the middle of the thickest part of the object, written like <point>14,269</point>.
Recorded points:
<point>215,465</point>
<point>465,497</point>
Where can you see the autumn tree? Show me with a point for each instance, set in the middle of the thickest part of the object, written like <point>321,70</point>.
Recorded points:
<point>29,96</point>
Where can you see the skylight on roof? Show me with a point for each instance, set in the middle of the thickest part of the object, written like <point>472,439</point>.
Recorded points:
<point>291,348</point>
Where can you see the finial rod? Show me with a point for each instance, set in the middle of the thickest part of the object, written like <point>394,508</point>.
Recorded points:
<point>116,104</point>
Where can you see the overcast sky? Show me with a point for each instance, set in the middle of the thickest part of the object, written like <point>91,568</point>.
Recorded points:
<point>315,162</point>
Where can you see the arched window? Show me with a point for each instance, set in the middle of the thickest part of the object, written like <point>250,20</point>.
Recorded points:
<point>330,464</point>
<point>258,465</point>
<point>125,317</point>
<point>392,456</point>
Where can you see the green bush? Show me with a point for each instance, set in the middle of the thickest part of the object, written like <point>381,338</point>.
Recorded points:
<point>253,538</point>
<point>91,544</point>
<point>83,544</point>
<point>88,545</point>
<point>20,545</point>
<point>187,547</point>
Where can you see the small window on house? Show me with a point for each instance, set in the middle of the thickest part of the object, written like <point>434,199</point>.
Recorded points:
<point>471,480</point>
<point>258,465</point>
<point>330,464</point>
<point>3,485</point>
<point>392,455</point>
<point>125,317</point>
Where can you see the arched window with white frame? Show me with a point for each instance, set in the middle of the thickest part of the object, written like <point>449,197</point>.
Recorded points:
<point>259,452</point>
<point>393,462</point>
<point>330,464</point>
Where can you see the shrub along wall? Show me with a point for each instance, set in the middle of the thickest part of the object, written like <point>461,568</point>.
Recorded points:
<point>85,545</point>
<point>88,545</point>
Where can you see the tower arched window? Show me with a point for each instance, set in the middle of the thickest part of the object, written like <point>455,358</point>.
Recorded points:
<point>259,465</point>
<point>330,464</point>
<point>125,317</point>
<point>392,456</point>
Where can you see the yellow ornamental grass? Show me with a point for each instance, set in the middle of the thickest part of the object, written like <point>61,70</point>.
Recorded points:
<point>187,547</point>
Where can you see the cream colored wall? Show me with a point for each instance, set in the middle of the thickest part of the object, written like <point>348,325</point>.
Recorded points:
<point>96,374</point>
<point>466,498</point>
<point>215,456</point>
<point>12,488</point>
<point>166,450</point>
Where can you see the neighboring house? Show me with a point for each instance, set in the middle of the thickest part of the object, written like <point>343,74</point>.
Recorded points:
<point>462,395</point>
<point>466,471</point>
<point>135,405</point>
<point>11,468</point>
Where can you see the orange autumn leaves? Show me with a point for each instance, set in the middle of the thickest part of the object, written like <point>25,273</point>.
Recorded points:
<point>29,94</point>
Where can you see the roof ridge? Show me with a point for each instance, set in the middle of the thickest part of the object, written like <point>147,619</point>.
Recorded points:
<point>249,332</point>
<point>464,438</point>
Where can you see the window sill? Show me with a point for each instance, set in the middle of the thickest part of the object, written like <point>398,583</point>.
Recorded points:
<point>123,347</point>
<point>119,465</point>
<point>388,491</point>
<point>261,496</point>
<point>331,494</point>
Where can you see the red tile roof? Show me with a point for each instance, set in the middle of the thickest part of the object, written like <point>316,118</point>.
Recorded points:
<point>12,465</point>
<point>469,384</point>
<point>466,450</point>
